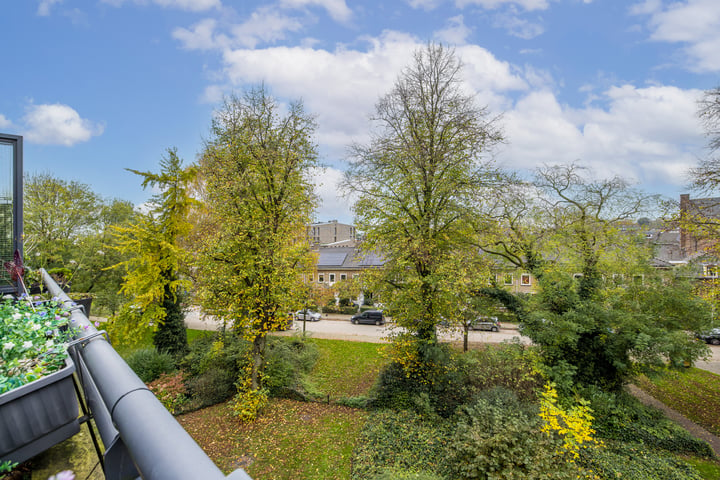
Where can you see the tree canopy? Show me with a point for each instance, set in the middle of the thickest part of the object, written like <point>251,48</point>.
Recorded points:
<point>256,171</point>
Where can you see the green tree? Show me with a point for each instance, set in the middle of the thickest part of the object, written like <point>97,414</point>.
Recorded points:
<point>256,168</point>
<point>153,280</point>
<point>415,182</point>
<point>56,212</point>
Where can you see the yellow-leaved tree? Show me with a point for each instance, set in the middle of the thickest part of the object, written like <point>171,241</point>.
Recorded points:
<point>256,169</point>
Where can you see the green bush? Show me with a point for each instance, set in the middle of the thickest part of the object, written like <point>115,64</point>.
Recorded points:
<point>213,386</point>
<point>149,364</point>
<point>289,361</point>
<point>397,474</point>
<point>220,351</point>
<point>400,441</point>
<point>620,460</point>
<point>499,437</point>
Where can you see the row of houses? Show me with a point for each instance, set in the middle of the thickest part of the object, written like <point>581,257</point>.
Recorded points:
<point>340,258</point>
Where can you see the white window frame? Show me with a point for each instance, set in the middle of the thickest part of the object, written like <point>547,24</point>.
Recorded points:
<point>511,277</point>
<point>331,277</point>
<point>343,276</point>
<point>321,278</point>
<point>525,280</point>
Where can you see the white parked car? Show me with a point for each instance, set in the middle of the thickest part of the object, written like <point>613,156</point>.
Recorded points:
<point>307,315</point>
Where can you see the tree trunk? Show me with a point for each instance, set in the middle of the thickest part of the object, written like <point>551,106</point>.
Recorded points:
<point>258,360</point>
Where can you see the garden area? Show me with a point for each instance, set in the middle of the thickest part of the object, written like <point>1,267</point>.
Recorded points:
<point>342,410</point>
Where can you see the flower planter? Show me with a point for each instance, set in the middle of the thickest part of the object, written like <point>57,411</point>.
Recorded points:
<point>36,416</point>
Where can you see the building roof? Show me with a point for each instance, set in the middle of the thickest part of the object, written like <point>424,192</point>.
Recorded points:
<point>350,258</point>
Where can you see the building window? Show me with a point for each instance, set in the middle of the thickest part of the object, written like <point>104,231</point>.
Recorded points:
<point>638,279</point>
<point>525,279</point>
<point>312,277</point>
<point>508,279</point>
<point>710,270</point>
<point>332,277</point>
<point>577,275</point>
<point>343,276</point>
<point>321,277</point>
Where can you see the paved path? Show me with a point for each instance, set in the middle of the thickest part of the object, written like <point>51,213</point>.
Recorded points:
<point>694,429</point>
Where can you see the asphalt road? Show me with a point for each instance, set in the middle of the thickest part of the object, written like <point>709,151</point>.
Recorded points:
<point>339,327</point>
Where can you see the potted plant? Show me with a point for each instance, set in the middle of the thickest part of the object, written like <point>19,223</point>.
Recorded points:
<point>38,405</point>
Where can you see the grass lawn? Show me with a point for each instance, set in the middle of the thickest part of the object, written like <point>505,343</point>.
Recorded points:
<point>693,392</point>
<point>290,440</point>
<point>346,369</point>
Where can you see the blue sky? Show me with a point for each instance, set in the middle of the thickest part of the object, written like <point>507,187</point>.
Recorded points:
<point>98,86</point>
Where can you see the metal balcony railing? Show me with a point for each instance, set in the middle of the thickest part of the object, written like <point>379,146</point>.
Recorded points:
<point>141,438</point>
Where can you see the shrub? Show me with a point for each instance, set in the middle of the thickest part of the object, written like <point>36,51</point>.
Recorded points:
<point>618,460</point>
<point>149,364</point>
<point>170,389</point>
<point>224,351</point>
<point>499,437</point>
<point>289,361</point>
<point>403,441</point>
<point>213,386</point>
<point>399,474</point>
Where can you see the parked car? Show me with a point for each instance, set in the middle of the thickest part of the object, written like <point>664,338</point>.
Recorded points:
<point>486,323</point>
<point>712,337</point>
<point>308,315</point>
<point>372,317</point>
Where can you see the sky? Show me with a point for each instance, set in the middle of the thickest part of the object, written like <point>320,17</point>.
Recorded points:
<point>98,86</point>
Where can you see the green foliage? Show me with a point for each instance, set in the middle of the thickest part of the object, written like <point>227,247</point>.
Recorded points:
<point>256,172</point>
<point>400,474</point>
<point>607,339</point>
<point>628,460</point>
<point>289,363</point>
<point>400,440</point>
<point>155,259</point>
<point>214,363</point>
<point>499,437</point>
<point>512,366</point>
<point>149,364</point>
<point>32,340</point>
<point>416,182</point>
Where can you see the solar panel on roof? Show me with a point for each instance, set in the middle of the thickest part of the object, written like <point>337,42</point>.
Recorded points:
<point>331,258</point>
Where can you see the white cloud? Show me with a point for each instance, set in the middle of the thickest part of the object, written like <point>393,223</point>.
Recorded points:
<point>493,4</point>
<point>692,23</point>
<point>45,6</point>
<point>517,26</point>
<point>265,25</point>
<point>455,31</point>
<point>189,5</point>
<point>337,9</point>
<point>645,134</point>
<point>4,122</point>
<point>424,4</point>
<point>200,36</point>
<point>343,85</point>
<point>332,204</point>
<point>58,124</point>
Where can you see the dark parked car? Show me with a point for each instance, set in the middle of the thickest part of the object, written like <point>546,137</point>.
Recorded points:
<point>712,337</point>
<point>486,323</point>
<point>372,317</point>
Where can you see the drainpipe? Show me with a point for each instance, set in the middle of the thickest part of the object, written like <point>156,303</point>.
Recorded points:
<point>135,427</point>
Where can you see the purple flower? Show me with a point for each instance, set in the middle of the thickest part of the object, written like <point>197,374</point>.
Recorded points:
<point>97,324</point>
